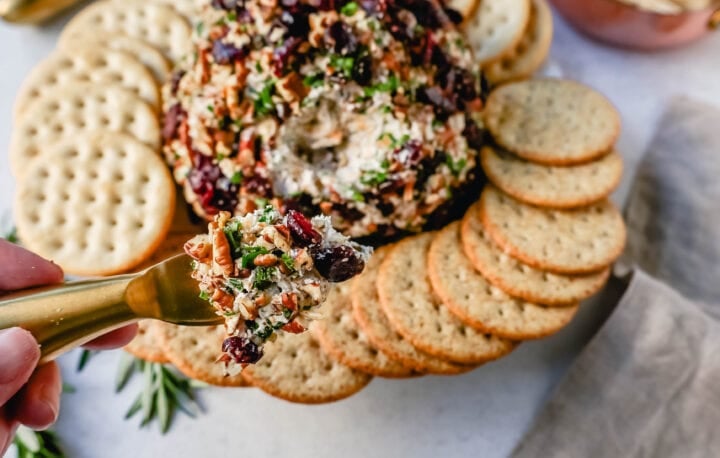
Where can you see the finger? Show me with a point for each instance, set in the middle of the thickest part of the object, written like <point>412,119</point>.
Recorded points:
<point>7,430</point>
<point>19,354</point>
<point>21,268</point>
<point>38,403</point>
<point>114,339</point>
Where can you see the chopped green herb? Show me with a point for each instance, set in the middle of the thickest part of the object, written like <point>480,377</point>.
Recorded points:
<point>199,28</point>
<point>288,261</point>
<point>390,85</point>
<point>287,313</point>
<point>343,64</point>
<point>258,67</point>
<point>374,177</point>
<point>263,277</point>
<point>252,325</point>
<point>249,255</point>
<point>236,283</point>
<point>12,236</point>
<point>211,109</point>
<point>456,167</point>
<point>232,16</point>
<point>232,233</point>
<point>349,9</point>
<point>237,178</point>
<point>262,202</point>
<point>204,295</point>
<point>436,123</point>
<point>387,109</point>
<point>219,157</point>
<point>315,80</point>
<point>268,211</point>
<point>263,102</point>
<point>357,196</point>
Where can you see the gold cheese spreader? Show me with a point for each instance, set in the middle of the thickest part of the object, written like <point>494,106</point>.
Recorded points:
<point>62,317</point>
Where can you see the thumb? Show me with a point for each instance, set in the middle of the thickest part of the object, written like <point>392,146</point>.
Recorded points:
<point>19,354</point>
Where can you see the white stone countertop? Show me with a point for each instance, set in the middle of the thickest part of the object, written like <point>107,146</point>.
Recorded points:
<point>483,413</point>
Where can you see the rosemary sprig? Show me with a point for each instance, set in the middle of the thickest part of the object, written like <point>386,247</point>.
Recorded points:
<point>37,444</point>
<point>11,235</point>
<point>85,356</point>
<point>164,392</point>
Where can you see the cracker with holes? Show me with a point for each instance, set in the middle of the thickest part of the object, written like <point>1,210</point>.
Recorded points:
<point>578,241</point>
<point>481,305</point>
<point>552,186</point>
<point>97,204</point>
<point>149,56</point>
<point>375,325</point>
<point>80,109</point>
<point>496,27</point>
<point>552,121</point>
<point>298,370</point>
<point>146,344</point>
<point>416,313</point>
<point>518,279</point>
<point>160,25</point>
<point>193,349</point>
<point>531,51</point>
<point>267,273</point>
<point>342,339</point>
<point>100,66</point>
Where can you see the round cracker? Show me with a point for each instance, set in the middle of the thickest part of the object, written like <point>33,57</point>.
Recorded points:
<point>496,27</point>
<point>157,24</point>
<point>97,204</point>
<point>100,66</point>
<point>296,369</point>
<point>552,121</point>
<point>342,339</point>
<point>576,241</point>
<point>374,323</point>
<point>518,279</point>
<point>77,110</point>
<point>530,52</point>
<point>483,306</point>
<point>146,344</point>
<point>149,56</point>
<point>413,310</point>
<point>551,186</point>
<point>194,351</point>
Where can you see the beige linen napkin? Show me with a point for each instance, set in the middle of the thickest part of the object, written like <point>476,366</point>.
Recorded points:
<point>648,384</point>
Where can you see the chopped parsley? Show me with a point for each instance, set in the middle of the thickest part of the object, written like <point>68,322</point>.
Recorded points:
<point>251,325</point>
<point>456,167</point>
<point>236,283</point>
<point>263,103</point>
<point>263,277</point>
<point>204,295</point>
<point>376,177</point>
<point>232,233</point>
<point>315,80</point>
<point>232,16</point>
<point>249,254</point>
<point>349,9</point>
<point>342,64</point>
<point>199,28</point>
<point>394,141</point>
<point>288,261</point>
<point>219,157</point>
<point>357,196</point>
<point>266,332</point>
<point>237,178</point>
<point>268,211</point>
<point>390,86</point>
<point>287,313</point>
<point>211,109</point>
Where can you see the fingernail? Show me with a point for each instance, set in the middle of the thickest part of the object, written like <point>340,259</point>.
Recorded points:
<point>18,350</point>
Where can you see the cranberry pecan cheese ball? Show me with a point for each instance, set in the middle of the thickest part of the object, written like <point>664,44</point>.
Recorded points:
<point>264,273</point>
<point>365,111</point>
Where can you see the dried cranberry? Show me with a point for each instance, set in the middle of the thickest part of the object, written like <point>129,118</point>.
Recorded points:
<point>226,53</point>
<point>283,53</point>
<point>242,350</point>
<point>323,5</point>
<point>215,191</point>
<point>297,24</point>
<point>259,185</point>
<point>348,213</point>
<point>410,153</point>
<point>341,38</point>
<point>362,70</point>
<point>338,263</point>
<point>473,134</point>
<point>302,203</point>
<point>301,229</point>
<point>444,104</point>
<point>173,119</point>
<point>454,15</point>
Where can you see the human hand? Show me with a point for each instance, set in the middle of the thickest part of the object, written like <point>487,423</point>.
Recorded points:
<point>30,395</point>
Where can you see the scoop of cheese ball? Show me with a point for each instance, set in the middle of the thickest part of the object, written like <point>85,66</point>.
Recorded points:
<point>265,273</point>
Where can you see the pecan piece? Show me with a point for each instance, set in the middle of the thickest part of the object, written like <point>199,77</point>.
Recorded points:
<point>221,253</point>
<point>223,300</point>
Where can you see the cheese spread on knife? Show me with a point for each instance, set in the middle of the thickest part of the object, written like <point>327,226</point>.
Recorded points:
<point>267,273</point>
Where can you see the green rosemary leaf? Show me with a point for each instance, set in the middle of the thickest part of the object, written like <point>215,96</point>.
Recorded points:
<point>68,388</point>
<point>40,444</point>
<point>127,367</point>
<point>163,408</point>
<point>148,400</point>
<point>134,408</point>
<point>85,356</point>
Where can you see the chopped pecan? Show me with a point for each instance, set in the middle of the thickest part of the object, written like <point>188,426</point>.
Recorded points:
<point>204,63</point>
<point>199,249</point>
<point>266,260</point>
<point>222,299</point>
<point>221,253</point>
<point>293,327</point>
<point>291,88</point>
<point>262,300</point>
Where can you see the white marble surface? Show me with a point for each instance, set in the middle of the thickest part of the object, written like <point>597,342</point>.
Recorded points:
<point>483,413</point>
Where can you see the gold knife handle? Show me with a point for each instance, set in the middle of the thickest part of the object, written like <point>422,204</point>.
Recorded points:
<point>62,317</point>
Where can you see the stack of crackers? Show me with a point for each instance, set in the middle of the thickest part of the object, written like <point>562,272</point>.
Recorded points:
<point>95,195</point>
